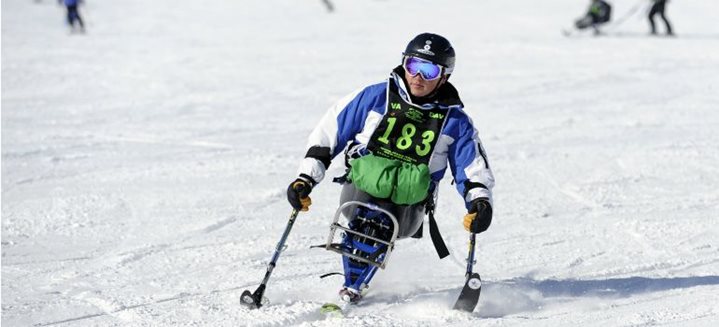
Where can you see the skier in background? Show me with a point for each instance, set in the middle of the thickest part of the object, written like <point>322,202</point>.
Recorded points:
<point>73,15</point>
<point>328,4</point>
<point>412,123</point>
<point>658,7</point>
<point>599,13</point>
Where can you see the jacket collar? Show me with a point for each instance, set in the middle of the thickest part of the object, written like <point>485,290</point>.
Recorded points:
<point>445,97</point>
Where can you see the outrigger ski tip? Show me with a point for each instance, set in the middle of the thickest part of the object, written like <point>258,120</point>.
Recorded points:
<point>252,301</point>
<point>469,297</point>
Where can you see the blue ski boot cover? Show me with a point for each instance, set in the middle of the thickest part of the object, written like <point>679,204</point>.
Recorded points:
<point>358,274</point>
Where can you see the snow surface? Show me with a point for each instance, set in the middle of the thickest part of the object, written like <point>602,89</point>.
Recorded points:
<point>144,164</point>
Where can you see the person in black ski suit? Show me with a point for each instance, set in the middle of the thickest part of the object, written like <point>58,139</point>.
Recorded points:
<point>400,136</point>
<point>658,8</point>
<point>599,12</point>
<point>73,15</point>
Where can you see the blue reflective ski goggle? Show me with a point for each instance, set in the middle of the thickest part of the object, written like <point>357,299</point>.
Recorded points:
<point>429,71</point>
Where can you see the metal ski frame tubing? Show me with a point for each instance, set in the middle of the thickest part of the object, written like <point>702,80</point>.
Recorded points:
<point>256,297</point>
<point>335,226</point>
<point>362,274</point>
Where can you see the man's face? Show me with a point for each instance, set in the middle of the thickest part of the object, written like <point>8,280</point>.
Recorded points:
<point>419,87</point>
<point>423,76</point>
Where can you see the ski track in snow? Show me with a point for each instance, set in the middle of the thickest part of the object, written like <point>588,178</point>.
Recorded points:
<point>144,164</point>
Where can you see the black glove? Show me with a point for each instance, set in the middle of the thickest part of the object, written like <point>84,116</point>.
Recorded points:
<point>479,217</point>
<point>298,194</point>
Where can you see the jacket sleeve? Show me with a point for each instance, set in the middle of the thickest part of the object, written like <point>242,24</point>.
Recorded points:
<point>468,162</point>
<point>337,127</point>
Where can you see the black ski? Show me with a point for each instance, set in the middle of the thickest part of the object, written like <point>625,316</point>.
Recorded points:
<point>469,297</point>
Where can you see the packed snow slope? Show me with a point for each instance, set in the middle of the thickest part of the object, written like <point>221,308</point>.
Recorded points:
<point>144,164</point>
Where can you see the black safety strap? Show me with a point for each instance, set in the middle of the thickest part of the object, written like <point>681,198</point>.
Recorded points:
<point>323,245</point>
<point>434,233</point>
<point>332,274</point>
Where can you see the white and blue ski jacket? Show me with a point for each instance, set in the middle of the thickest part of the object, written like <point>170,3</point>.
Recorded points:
<point>354,118</point>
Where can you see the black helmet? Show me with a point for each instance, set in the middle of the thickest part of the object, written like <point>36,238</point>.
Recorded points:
<point>434,48</point>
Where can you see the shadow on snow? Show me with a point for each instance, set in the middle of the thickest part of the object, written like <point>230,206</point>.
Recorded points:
<point>517,295</point>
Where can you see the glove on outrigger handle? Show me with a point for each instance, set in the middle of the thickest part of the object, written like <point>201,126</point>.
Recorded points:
<point>479,217</point>
<point>298,193</point>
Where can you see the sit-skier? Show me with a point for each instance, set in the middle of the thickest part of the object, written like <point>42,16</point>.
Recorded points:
<point>599,13</point>
<point>400,136</point>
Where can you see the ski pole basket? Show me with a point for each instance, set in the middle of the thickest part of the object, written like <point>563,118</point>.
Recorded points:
<point>366,245</point>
